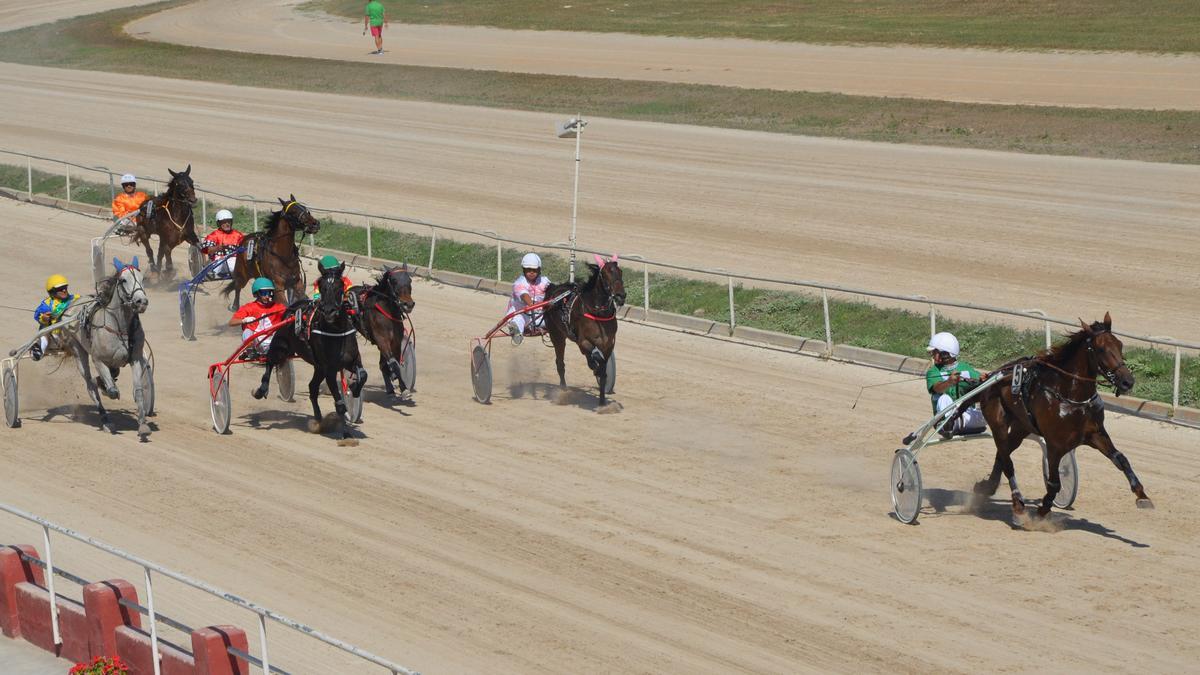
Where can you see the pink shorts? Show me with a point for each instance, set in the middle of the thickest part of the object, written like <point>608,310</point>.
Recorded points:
<point>376,31</point>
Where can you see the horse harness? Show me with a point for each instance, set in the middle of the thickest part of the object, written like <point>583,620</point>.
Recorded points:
<point>95,309</point>
<point>1025,376</point>
<point>573,296</point>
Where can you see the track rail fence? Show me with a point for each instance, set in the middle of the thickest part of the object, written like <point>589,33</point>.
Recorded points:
<point>729,278</point>
<point>264,614</point>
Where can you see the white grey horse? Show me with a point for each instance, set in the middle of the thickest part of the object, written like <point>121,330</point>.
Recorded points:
<point>110,334</point>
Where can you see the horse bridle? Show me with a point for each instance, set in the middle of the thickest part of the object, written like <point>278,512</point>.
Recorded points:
<point>172,197</point>
<point>1109,375</point>
<point>609,307</point>
<point>126,301</point>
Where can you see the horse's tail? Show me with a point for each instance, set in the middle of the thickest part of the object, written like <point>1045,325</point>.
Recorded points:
<point>229,288</point>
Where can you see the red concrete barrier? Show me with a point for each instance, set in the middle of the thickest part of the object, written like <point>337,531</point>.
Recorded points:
<point>15,570</point>
<point>210,649</point>
<point>33,604</point>
<point>105,613</point>
<point>133,646</point>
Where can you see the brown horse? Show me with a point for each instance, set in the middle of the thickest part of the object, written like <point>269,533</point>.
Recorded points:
<point>275,254</point>
<point>588,317</point>
<point>380,318</point>
<point>1056,397</point>
<point>170,218</point>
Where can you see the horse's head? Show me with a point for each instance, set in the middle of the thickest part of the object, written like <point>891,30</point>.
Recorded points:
<point>332,291</point>
<point>130,289</point>
<point>181,186</point>
<point>611,280</point>
<point>398,284</point>
<point>1107,354</point>
<point>298,215</point>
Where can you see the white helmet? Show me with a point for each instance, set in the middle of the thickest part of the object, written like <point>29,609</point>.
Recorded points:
<point>224,214</point>
<point>128,178</point>
<point>531,261</point>
<point>944,342</point>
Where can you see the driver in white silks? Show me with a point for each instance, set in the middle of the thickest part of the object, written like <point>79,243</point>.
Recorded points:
<point>949,378</point>
<point>528,289</point>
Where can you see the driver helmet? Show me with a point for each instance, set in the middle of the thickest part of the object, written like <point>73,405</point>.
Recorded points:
<point>262,284</point>
<point>944,342</point>
<point>223,215</point>
<point>128,178</point>
<point>327,264</point>
<point>55,281</point>
<point>531,261</point>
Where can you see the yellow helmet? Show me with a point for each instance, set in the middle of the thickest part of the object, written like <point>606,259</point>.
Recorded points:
<point>55,281</point>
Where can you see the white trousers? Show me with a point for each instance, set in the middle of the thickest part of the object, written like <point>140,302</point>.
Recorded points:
<point>263,343</point>
<point>522,320</point>
<point>971,421</point>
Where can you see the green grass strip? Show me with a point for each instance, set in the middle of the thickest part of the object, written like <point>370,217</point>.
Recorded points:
<point>97,42</point>
<point>1127,25</point>
<point>861,324</point>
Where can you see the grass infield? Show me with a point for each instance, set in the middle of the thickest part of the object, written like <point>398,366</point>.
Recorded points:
<point>857,323</point>
<point>1127,25</point>
<point>97,42</point>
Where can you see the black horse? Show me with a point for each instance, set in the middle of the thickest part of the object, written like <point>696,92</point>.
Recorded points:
<point>323,334</point>
<point>380,318</point>
<point>587,316</point>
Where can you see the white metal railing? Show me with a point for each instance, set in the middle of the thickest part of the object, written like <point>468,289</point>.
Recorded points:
<point>729,277</point>
<point>262,612</point>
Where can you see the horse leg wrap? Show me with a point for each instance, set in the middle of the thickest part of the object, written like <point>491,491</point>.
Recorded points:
<point>1119,460</point>
<point>595,360</point>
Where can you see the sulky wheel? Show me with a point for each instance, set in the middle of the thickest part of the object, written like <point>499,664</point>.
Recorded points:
<point>1068,478</point>
<point>219,404</point>
<point>408,364</point>
<point>906,487</point>
<point>354,404</point>
<point>195,260</point>
<point>187,316</point>
<point>285,379</point>
<point>11,410</point>
<point>148,389</point>
<point>481,374</point>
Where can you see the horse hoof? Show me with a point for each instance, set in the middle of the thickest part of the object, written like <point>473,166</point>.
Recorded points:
<point>144,430</point>
<point>113,393</point>
<point>1145,503</point>
<point>259,393</point>
<point>984,489</point>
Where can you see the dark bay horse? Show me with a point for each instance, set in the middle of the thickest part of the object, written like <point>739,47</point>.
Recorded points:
<point>274,252</point>
<point>323,335</point>
<point>1056,397</point>
<point>170,219</point>
<point>588,317</point>
<point>380,319</point>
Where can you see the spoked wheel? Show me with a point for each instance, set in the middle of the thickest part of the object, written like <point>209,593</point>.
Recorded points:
<point>408,364</point>
<point>187,316</point>
<point>148,389</point>
<point>610,367</point>
<point>481,374</point>
<point>1068,478</point>
<point>906,487</point>
<point>285,379</point>
<point>195,260</point>
<point>354,404</point>
<point>219,404</point>
<point>11,411</point>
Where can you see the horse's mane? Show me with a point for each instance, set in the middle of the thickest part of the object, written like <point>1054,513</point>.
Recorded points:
<point>273,221</point>
<point>1062,352</point>
<point>105,290</point>
<point>590,284</point>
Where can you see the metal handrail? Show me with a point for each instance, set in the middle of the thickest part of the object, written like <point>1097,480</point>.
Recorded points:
<point>262,612</point>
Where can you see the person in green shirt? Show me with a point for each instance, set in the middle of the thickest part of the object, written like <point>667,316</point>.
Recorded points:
<point>950,378</point>
<point>375,18</point>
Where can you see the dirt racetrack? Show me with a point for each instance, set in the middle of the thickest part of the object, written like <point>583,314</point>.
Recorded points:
<point>17,14</point>
<point>1071,236</point>
<point>1101,80</point>
<point>732,517</point>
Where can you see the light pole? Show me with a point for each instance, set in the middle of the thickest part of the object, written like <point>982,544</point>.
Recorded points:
<point>573,128</point>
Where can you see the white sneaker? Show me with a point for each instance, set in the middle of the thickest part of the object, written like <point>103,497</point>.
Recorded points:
<point>515,333</point>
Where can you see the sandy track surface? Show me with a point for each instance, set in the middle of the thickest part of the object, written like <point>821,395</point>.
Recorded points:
<point>741,527</point>
<point>1071,236</point>
<point>1106,80</point>
<point>19,14</point>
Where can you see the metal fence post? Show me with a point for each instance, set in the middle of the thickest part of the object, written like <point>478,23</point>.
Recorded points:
<point>153,623</point>
<point>112,187</point>
<point>255,208</point>
<point>828,330</point>
<point>1175,385</point>
<point>732,318</point>
<point>262,642</point>
<point>499,260</point>
<point>204,212</point>
<point>50,586</point>
<point>432,248</point>
<point>932,321</point>
<point>645,291</point>
<point>1047,334</point>
<point>29,175</point>
<point>67,171</point>
<point>370,250</point>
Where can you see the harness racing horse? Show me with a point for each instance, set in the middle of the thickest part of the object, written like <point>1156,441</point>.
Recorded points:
<point>110,333</point>
<point>380,319</point>
<point>587,316</point>
<point>1056,398</point>
<point>273,253</point>
<point>170,217</point>
<point>323,334</point>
